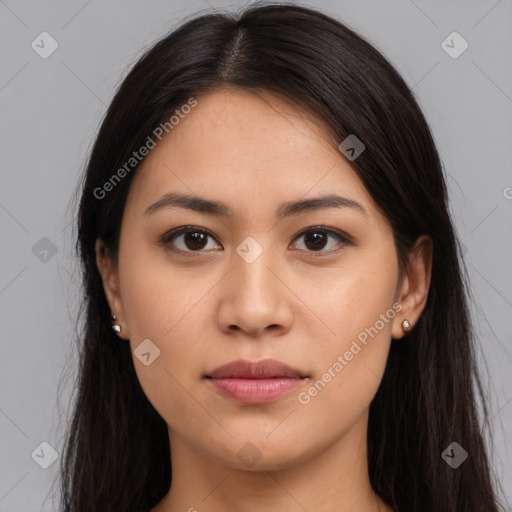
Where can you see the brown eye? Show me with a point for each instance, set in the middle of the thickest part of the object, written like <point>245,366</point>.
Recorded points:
<point>317,238</point>
<point>195,240</point>
<point>187,239</point>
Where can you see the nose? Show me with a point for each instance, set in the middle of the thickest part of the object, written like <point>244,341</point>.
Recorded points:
<point>255,297</point>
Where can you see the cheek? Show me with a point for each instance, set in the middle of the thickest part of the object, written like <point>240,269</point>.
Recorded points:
<point>156,293</point>
<point>350,362</point>
<point>353,298</point>
<point>159,307</point>
<point>169,305</point>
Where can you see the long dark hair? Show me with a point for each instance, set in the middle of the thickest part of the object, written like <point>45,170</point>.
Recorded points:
<point>117,448</point>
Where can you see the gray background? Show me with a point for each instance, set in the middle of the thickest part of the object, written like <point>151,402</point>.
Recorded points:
<point>51,108</point>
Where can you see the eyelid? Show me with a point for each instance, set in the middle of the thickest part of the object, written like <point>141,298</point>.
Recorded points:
<point>344,240</point>
<point>322,227</point>
<point>168,236</point>
<point>173,233</point>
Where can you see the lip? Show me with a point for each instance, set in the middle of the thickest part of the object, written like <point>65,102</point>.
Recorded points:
<point>255,382</point>
<point>264,369</point>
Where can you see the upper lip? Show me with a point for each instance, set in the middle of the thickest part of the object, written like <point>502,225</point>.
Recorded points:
<point>265,369</point>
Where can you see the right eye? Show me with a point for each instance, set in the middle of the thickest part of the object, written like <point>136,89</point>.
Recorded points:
<point>193,240</point>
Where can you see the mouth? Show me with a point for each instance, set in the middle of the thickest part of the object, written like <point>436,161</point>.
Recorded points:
<point>255,382</point>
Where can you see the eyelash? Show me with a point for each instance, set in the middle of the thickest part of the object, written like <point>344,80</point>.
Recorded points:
<point>174,233</point>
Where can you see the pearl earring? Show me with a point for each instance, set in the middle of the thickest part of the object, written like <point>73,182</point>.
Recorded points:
<point>116,327</point>
<point>406,326</point>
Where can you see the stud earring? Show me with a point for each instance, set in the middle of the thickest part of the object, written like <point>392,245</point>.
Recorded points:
<point>116,327</point>
<point>406,326</point>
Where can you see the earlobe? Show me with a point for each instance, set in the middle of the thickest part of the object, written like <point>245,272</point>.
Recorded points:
<point>110,280</point>
<point>415,286</point>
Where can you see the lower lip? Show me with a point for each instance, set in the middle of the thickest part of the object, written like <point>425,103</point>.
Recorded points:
<point>255,391</point>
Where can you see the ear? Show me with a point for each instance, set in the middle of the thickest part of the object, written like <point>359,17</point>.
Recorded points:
<point>110,278</point>
<point>415,285</point>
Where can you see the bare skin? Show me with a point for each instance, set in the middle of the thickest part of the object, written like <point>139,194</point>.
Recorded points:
<point>206,307</point>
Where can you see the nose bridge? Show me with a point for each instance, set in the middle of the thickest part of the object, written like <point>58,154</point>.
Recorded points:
<point>255,297</point>
<point>253,260</point>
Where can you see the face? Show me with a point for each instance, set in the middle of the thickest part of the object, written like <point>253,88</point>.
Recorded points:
<point>315,289</point>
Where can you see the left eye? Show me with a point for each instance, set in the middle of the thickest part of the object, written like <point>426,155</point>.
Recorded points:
<point>196,239</point>
<point>318,238</point>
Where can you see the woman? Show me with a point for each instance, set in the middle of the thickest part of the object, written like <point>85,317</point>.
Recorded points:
<point>275,301</point>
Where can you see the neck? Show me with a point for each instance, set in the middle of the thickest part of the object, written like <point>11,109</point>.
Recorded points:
<point>334,479</point>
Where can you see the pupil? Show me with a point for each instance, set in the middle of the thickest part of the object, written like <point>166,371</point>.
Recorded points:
<point>317,237</point>
<point>197,240</point>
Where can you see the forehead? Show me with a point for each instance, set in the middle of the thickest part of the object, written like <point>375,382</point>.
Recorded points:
<point>244,148</point>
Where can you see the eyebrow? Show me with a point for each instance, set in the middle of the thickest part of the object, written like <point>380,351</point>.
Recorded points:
<point>210,207</point>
